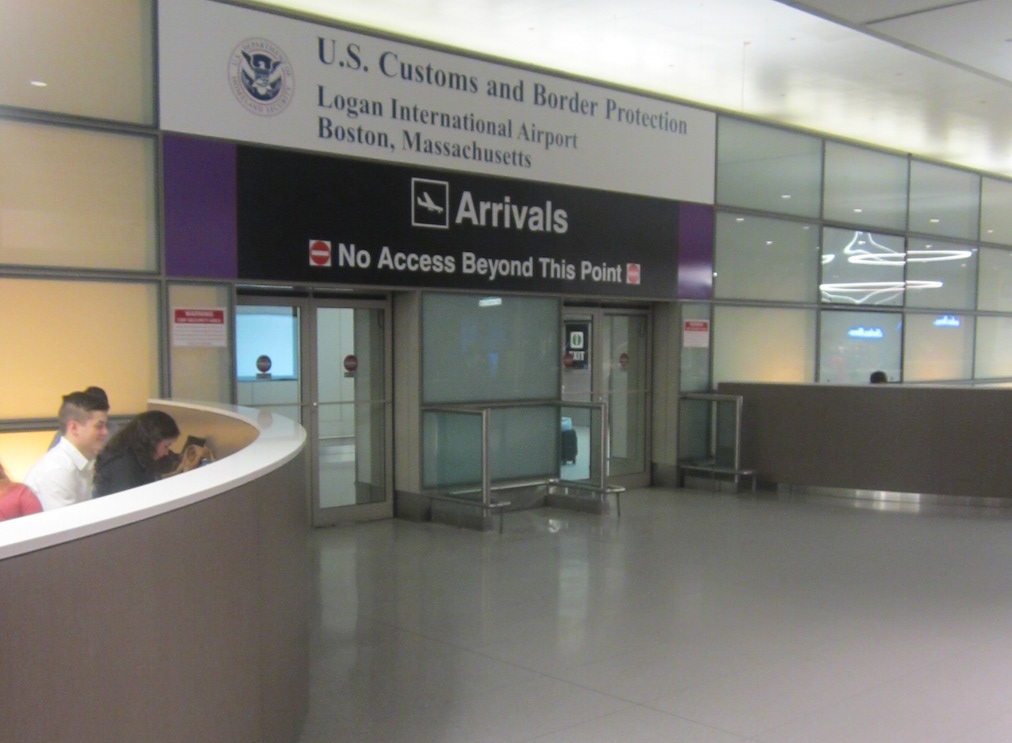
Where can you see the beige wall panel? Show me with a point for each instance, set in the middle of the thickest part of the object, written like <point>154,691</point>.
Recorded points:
<point>72,334</point>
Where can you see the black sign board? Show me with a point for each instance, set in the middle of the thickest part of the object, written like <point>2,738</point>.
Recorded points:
<point>329,220</point>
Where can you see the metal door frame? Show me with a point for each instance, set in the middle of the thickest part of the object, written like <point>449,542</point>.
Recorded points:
<point>597,314</point>
<point>309,403</point>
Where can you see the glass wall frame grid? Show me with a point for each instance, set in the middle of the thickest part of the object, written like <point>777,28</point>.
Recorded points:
<point>914,237</point>
<point>153,278</point>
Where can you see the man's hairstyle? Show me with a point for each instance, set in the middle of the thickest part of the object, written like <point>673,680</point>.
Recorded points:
<point>78,406</point>
<point>101,399</point>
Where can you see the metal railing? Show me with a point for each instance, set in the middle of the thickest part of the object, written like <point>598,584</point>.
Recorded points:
<point>490,505</point>
<point>719,451</point>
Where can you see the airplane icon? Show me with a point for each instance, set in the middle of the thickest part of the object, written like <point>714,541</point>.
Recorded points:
<point>425,201</point>
<point>430,204</point>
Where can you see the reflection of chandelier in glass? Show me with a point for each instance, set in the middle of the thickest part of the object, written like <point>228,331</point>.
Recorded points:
<point>878,292</point>
<point>860,292</point>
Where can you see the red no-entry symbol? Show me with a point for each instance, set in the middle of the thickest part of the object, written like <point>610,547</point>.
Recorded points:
<point>319,253</point>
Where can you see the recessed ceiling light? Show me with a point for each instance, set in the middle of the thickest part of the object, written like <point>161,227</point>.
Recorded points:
<point>739,219</point>
<point>39,83</point>
<point>934,220</point>
<point>858,210</point>
<point>785,196</point>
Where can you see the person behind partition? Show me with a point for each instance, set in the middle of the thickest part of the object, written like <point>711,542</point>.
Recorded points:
<point>878,377</point>
<point>16,499</point>
<point>138,454</point>
<point>64,475</point>
<point>99,394</point>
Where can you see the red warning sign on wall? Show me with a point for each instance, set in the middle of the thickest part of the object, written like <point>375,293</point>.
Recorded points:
<point>199,326</point>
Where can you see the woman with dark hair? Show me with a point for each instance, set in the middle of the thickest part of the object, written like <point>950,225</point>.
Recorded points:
<point>137,454</point>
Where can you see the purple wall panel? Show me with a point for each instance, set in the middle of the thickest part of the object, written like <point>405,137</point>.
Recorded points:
<point>695,251</point>
<point>200,208</point>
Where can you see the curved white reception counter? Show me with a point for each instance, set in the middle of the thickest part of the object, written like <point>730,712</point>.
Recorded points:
<point>174,611</point>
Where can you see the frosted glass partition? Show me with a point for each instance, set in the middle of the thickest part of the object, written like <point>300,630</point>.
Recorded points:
<point>694,340</point>
<point>937,347</point>
<point>93,59</point>
<point>995,291</point>
<point>762,258</point>
<point>854,344</point>
<point>941,274</point>
<point>763,344</point>
<point>75,198</point>
<point>490,348</point>
<point>865,187</point>
<point>996,211</point>
<point>994,351</point>
<point>200,372</point>
<point>773,170</point>
<point>944,201</point>
<point>523,443</point>
<point>114,327</point>
<point>861,267</point>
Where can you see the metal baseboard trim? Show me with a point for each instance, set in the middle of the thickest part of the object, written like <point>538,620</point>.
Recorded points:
<point>892,500</point>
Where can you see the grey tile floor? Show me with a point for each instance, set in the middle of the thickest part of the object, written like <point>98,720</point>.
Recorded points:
<point>695,617</point>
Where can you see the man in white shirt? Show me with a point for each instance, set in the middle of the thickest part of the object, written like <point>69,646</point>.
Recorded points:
<point>63,476</point>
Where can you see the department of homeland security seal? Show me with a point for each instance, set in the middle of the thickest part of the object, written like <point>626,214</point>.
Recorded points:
<point>261,77</point>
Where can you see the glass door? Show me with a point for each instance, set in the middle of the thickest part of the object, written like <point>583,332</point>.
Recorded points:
<point>606,358</point>
<point>350,413</point>
<point>324,364</point>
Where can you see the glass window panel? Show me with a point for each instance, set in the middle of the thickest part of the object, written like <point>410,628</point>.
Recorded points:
<point>761,258</point>
<point>107,336</point>
<point>759,167</point>
<point>483,349</point>
<point>854,344</point>
<point>944,201</point>
<point>266,331</point>
<point>523,442</point>
<point>994,348</point>
<point>76,198</point>
<point>938,347</point>
<point>941,274</point>
<point>861,268</point>
<point>200,372</point>
<point>995,280</point>
<point>996,211</point>
<point>95,58</point>
<point>754,344</point>
<point>865,187</point>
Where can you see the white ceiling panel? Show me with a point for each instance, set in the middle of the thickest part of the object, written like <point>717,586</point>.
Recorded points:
<point>860,12</point>
<point>975,34</point>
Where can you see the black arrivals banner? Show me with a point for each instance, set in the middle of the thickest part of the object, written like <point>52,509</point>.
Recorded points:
<point>327,220</point>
